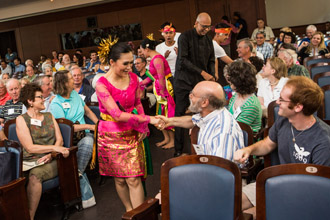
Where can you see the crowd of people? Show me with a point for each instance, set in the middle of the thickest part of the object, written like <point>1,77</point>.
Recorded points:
<point>183,77</point>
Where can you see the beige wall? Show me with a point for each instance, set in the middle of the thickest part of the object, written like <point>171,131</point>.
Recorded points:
<point>282,13</point>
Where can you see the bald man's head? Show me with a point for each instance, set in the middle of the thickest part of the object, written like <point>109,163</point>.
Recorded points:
<point>203,23</point>
<point>211,91</point>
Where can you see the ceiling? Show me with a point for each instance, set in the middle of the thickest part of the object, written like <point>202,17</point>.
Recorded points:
<point>16,9</point>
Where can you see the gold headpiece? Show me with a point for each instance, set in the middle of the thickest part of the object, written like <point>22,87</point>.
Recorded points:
<point>151,36</point>
<point>105,46</point>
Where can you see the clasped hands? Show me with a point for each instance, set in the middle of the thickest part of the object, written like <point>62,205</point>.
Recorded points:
<point>160,122</point>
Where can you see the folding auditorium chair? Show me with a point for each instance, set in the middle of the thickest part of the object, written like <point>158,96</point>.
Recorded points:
<point>68,178</point>
<point>293,191</point>
<point>13,198</point>
<point>195,187</point>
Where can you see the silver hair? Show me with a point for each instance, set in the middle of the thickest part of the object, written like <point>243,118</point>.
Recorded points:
<point>311,27</point>
<point>290,54</point>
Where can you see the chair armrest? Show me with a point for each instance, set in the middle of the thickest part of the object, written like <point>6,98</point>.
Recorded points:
<point>149,209</point>
<point>68,176</point>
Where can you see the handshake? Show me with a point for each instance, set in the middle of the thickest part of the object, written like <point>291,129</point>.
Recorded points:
<point>160,122</point>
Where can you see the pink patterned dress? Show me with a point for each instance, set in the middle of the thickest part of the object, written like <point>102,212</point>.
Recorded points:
<point>119,152</point>
<point>163,89</point>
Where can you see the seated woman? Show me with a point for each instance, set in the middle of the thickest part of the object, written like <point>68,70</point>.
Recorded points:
<point>315,48</point>
<point>274,78</point>
<point>69,105</point>
<point>39,135</point>
<point>244,104</point>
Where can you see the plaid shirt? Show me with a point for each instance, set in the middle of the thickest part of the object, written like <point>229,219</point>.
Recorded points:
<point>266,49</point>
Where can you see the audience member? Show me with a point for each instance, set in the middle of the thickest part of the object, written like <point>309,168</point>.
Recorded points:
<point>240,23</point>
<point>40,135</point>
<point>289,38</point>
<point>219,133</point>
<point>169,48</point>
<point>47,90</point>
<point>274,78</point>
<point>244,49</point>
<point>258,63</point>
<point>4,95</point>
<point>47,69</point>
<point>263,47</point>
<point>78,59</point>
<point>30,75</point>
<point>299,136</point>
<point>19,68</point>
<point>58,65</point>
<point>93,61</point>
<point>281,35</point>
<point>10,56</point>
<point>5,76</point>
<point>244,105</point>
<point>310,31</point>
<point>13,107</point>
<point>290,58</point>
<point>55,58</point>
<point>103,67</point>
<point>23,82</point>
<point>29,62</point>
<point>315,48</point>
<point>261,27</point>
<point>84,90</point>
<point>5,68</point>
<point>195,63</point>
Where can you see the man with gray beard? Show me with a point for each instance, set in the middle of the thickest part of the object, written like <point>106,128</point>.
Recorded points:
<point>219,134</point>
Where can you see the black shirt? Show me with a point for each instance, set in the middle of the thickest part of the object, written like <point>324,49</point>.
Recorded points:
<point>195,53</point>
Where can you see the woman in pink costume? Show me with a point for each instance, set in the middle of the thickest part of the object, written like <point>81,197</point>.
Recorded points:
<point>163,90</point>
<point>120,132</point>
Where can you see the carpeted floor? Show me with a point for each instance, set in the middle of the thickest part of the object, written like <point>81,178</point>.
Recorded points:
<point>108,204</point>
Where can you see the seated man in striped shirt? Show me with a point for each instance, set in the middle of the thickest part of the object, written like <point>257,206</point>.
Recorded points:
<point>219,133</point>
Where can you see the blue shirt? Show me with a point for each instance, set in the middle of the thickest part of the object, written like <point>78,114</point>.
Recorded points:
<point>19,68</point>
<point>71,108</point>
<point>89,64</point>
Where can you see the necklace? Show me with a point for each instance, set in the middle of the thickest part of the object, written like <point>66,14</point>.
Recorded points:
<point>274,83</point>
<point>294,137</point>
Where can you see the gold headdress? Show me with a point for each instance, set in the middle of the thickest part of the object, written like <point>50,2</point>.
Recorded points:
<point>151,36</point>
<point>105,46</point>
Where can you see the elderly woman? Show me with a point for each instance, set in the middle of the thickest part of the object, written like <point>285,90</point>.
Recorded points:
<point>39,135</point>
<point>244,104</point>
<point>47,69</point>
<point>274,78</point>
<point>315,48</point>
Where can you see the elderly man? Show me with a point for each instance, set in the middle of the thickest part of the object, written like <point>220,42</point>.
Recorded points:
<point>84,90</point>
<point>244,49</point>
<point>19,68</point>
<point>4,96</point>
<point>263,47</point>
<point>290,59</point>
<point>310,30</point>
<point>30,75</point>
<point>47,90</point>
<point>169,48</point>
<point>219,134</point>
<point>195,63</point>
<point>5,68</point>
<point>299,136</point>
<point>13,107</point>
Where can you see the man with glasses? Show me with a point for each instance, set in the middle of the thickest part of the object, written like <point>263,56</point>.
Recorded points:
<point>84,90</point>
<point>299,136</point>
<point>263,47</point>
<point>195,63</point>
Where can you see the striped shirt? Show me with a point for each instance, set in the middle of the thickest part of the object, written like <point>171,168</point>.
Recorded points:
<point>12,110</point>
<point>219,134</point>
<point>249,113</point>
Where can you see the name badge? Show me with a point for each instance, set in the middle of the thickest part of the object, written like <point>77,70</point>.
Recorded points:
<point>66,105</point>
<point>237,112</point>
<point>82,97</point>
<point>11,111</point>
<point>35,122</point>
<point>198,149</point>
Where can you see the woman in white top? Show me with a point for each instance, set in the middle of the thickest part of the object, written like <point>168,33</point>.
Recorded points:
<point>274,78</point>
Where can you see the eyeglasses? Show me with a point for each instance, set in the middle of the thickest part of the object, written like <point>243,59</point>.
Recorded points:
<point>39,96</point>
<point>280,99</point>
<point>205,26</point>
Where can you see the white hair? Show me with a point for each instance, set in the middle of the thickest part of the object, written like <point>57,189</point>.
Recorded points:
<point>290,54</point>
<point>311,27</point>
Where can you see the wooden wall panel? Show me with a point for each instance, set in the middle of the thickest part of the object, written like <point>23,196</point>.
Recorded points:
<point>108,19</point>
<point>152,18</point>
<point>129,16</point>
<point>48,38</point>
<point>178,13</point>
<point>30,42</point>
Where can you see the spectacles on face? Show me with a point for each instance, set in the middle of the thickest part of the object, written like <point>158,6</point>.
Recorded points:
<point>205,26</point>
<point>39,96</point>
<point>280,99</point>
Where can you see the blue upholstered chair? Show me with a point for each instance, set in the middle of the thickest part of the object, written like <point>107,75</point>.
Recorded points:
<point>308,61</point>
<point>68,178</point>
<point>293,191</point>
<point>197,187</point>
<point>13,198</point>
<point>324,111</point>
<point>319,68</point>
<point>94,106</point>
<point>322,79</point>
